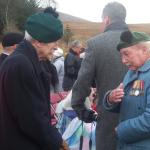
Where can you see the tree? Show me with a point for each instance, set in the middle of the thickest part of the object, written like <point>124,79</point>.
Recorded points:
<point>13,13</point>
<point>47,3</point>
<point>68,34</point>
<point>27,8</point>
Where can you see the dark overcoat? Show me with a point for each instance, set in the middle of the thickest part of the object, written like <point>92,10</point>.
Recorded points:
<point>71,67</point>
<point>102,62</point>
<point>2,58</point>
<point>24,103</point>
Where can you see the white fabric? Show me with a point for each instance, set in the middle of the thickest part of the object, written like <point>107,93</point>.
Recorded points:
<point>58,53</point>
<point>65,104</point>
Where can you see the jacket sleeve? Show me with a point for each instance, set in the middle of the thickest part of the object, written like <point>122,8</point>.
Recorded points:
<point>28,106</point>
<point>136,129</point>
<point>86,75</point>
<point>108,107</point>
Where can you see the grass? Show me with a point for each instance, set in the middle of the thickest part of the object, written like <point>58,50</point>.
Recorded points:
<point>84,30</point>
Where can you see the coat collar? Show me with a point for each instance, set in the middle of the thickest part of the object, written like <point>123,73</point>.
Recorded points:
<point>145,67</point>
<point>29,51</point>
<point>133,75</point>
<point>5,53</point>
<point>73,52</point>
<point>119,25</point>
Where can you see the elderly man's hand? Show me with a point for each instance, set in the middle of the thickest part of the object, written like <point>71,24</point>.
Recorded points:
<point>116,95</point>
<point>64,146</point>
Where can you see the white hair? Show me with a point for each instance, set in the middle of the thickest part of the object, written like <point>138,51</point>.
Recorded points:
<point>146,44</point>
<point>28,37</point>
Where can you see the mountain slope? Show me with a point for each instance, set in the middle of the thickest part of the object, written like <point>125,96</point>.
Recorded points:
<point>84,29</point>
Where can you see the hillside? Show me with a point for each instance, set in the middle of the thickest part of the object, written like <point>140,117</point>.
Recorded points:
<point>65,18</point>
<point>84,29</point>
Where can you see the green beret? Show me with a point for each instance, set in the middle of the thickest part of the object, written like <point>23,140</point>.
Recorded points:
<point>128,39</point>
<point>44,27</point>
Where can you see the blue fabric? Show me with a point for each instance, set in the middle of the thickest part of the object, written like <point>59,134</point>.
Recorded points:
<point>134,126</point>
<point>70,113</point>
<point>75,130</point>
<point>133,130</point>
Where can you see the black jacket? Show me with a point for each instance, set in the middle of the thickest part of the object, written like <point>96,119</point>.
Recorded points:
<point>24,104</point>
<point>2,58</point>
<point>71,66</point>
<point>51,71</point>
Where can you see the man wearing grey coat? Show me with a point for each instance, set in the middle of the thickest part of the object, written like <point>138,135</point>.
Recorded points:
<point>102,63</point>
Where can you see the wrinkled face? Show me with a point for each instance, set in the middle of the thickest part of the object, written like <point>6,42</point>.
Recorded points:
<point>44,50</point>
<point>134,57</point>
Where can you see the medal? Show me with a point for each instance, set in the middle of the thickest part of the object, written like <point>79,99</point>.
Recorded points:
<point>137,92</point>
<point>137,88</point>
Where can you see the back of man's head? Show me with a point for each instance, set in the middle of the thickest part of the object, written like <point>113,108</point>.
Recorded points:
<point>115,11</point>
<point>11,39</point>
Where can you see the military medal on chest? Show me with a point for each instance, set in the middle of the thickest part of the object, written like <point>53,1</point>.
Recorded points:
<point>137,88</point>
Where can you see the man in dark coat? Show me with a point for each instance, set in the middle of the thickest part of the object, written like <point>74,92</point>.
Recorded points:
<point>72,65</point>
<point>24,89</point>
<point>9,43</point>
<point>102,63</point>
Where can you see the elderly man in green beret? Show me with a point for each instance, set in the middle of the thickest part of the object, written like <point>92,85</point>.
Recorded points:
<point>24,89</point>
<point>132,97</point>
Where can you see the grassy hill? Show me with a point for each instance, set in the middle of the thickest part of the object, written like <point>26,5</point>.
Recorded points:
<point>84,30</point>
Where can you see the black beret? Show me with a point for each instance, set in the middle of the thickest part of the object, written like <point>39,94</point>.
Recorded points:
<point>10,39</point>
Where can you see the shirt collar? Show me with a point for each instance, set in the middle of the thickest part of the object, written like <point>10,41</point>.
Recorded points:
<point>6,53</point>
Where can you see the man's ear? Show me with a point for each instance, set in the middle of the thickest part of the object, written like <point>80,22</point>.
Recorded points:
<point>143,47</point>
<point>106,20</point>
<point>37,44</point>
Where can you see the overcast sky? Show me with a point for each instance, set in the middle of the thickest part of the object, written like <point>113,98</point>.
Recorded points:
<point>138,11</point>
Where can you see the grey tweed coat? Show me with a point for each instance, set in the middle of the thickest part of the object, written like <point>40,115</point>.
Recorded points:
<point>102,63</point>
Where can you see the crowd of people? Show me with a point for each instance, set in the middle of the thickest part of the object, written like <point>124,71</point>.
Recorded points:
<point>107,84</point>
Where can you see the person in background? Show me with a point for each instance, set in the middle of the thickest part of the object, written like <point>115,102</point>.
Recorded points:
<point>132,97</point>
<point>72,65</point>
<point>102,64</point>
<point>58,61</point>
<point>24,99</point>
<point>9,44</point>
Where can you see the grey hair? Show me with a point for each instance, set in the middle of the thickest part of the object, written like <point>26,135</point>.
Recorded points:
<point>116,11</point>
<point>75,43</point>
<point>146,44</point>
<point>28,37</point>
